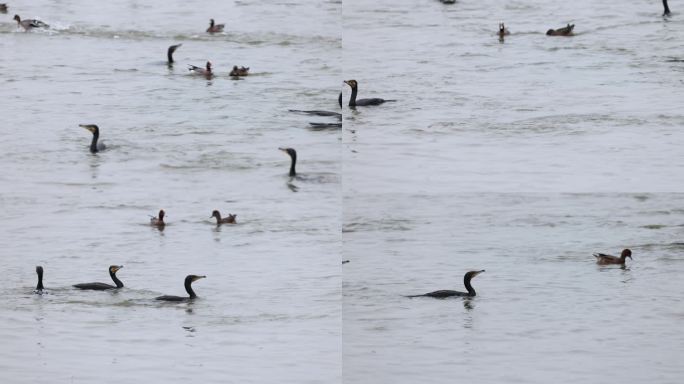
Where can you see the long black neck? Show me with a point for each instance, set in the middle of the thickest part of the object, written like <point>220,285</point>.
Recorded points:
<point>39,287</point>
<point>169,54</point>
<point>339,99</point>
<point>218,218</point>
<point>93,144</point>
<point>211,23</point>
<point>293,156</point>
<point>116,280</point>
<point>188,289</point>
<point>352,99</point>
<point>466,281</point>
<point>667,9</point>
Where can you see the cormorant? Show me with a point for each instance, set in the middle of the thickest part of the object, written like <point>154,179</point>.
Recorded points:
<point>169,53</point>
<point>30,23</point>
<point>565,31</point>
<point>201,71</point>
<point>321,126</point>
<point>39,287</point>
<point>667,9</point>
<point>226,220</point>
<point>447,293</point>
<point>188,288</point>
<point>95,147</point>
<point>293,157</point>
<point>603,259</point>
<point>361,102</point>
<point>158,221</point>
<point>102,286</point>
<point>239,71</point>
<point>215,28</point>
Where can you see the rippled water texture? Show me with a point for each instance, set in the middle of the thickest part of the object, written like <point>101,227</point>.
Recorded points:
<point>270,305</point>
<point>521,158</point>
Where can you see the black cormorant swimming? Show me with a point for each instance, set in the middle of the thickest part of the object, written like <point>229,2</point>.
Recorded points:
<point>39,287</point>
<point>448,293</point>
<point>667,9</point>
<point>225,220</point>
<point>95,146</point>
<point>353,102</point>
<point>603,259</point>
<point>188,288</point>
<point>169,53</point>
<point>293,158</point>
<point>102,286</point>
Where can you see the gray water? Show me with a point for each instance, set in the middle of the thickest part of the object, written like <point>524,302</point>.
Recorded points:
<point>521,158</point>
<point>270,305</point>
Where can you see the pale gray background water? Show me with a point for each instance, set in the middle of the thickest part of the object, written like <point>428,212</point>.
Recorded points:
<point>520,158</point>
<point>513,158</point>
<point>270,305</point>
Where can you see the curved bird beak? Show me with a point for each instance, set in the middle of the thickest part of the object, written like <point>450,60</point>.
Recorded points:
<point>89,127</point>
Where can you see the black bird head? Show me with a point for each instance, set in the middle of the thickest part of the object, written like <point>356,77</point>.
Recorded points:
<point>39,270</point>
<point>626,253</point>
<point>191,278</point>
<point>161,214</point>
<point>91,127</point>
<point>113,269</point>
<point>289,151</point>
<point>215,214</point>
<point>352,83</point>
<point>471,274</point>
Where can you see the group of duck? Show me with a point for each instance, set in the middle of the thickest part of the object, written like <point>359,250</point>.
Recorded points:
<point>564,31</point>
<point>113,269</point>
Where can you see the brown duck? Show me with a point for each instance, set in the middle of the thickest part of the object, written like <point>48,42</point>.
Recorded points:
<point>603,259</point>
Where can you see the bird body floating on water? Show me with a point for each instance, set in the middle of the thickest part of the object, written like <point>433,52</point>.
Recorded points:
<point>95,146</point>
<point>448,293</point>
<point>603,259</point>
<point>206,71</point>
<point>159,220</point>
<point>215,28</point>
<point>3,8</point>
<point>223,220</point>
<point>102,286</point>
<point>30,23</point>
<point>188,288</point>
<point>503,31</point>
<point>239,71</point>
<point>565,31</point>
<point>353,102</point>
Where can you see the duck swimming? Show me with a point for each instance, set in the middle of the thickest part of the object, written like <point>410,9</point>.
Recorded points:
<point>170,51</point>
<point>503,31</point>
<point>102,286</point>
<point>361,102</point>
<point>95,146</point>
<point>215,28</point>
<point>237,72</point>
<point>565,31</point>
<point>448,293</point>
<point>225,220</point>
<point>158,221</point>
<point>206,71</point>
<point>189,279</point>
<point>603,259</point>
<point>30,23</point>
